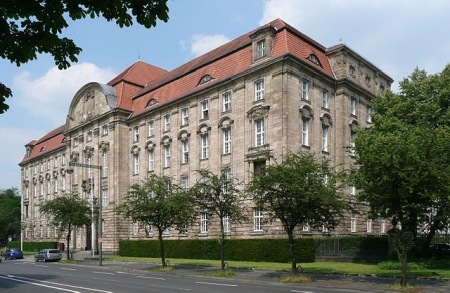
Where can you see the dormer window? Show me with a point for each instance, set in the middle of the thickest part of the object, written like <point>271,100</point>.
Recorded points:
<point>313,58</point>
<point>262,42</point>
<point>152,102</point>
<point>261,48</point>
<point>205,79</point>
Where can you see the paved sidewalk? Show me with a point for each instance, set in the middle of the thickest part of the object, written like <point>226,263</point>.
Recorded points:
<point>349,282</point>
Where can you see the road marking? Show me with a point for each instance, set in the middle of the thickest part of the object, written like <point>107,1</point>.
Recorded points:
<point>132,274</point>
<point>13,278</point>
<point>41,266</point>
<point>68,269</point>
<point>216,284</point>
<point>154,278</point>
<point>103,273</point>
<point>301,291</point>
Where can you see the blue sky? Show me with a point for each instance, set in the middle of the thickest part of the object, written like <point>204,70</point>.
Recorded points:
<point>396,36</point>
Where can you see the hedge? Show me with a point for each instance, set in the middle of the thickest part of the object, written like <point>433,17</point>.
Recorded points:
<point>33,246</point>
<point>257,250</point>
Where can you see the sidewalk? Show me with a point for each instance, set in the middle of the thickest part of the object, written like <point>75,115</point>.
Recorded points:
<point>350,282</point>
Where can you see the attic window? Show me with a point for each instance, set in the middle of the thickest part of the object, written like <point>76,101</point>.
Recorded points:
<point>205,79</point>
<point>42,149</point>
<point>152,102</point>
<point>313,58</point>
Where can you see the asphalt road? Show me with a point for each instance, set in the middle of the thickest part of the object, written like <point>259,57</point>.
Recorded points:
<point>28,276</point>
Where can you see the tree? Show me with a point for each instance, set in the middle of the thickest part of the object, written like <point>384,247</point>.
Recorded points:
<point>66,212</point>
<point>299,190</point>
<point>29,27</point>
<point>404,159</point>
<point>220,196</point>
<point>158,202</point>
<point>9,214</point>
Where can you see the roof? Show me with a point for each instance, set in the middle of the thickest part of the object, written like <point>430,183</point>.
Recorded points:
<point>226,61</point>
<point>49,142</point>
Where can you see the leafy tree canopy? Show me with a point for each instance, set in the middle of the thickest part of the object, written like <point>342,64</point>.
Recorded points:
<point>9,214</point>
<point>31,27</point>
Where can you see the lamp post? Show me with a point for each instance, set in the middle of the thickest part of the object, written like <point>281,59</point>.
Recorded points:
<point>100,220</point>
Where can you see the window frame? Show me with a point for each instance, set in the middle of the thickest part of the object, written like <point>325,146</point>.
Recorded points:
<point>184,116</point>
<point>135,133</point>
<point>259,90</point>
<point>257,220</point>
<point>259,132</point>
<point>167,156</point>
<point>325,99</point>
<point>305,132</point>
<point>226,101</point>
<point>204,109</point>
<point>203,222</point>
<point>305,89</point>
<point>227,141</point>
<point>185,152</point>
<point>167,122</point>
<point>204,147</point>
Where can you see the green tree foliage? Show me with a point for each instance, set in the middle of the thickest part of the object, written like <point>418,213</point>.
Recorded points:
<point>300,190</point>
<point>31,27</point>
<point>67,212</point>
<point>160,203</point>
<point>220,196</point>
<point>404,158</point>
<point>9,214</point>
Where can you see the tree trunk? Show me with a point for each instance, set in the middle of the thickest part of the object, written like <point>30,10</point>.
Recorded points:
<point>161,247</point>
<point>428,238</point>
<point>404,268</point>
<point>292,249</point>
<point>68,241</point>
<point>222,246</point>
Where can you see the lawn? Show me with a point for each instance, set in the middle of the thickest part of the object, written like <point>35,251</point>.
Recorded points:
<point>433,267</point>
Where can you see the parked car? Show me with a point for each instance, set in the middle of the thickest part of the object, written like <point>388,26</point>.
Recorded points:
<point>48,255</point>
<point>13,253</point>
<point>440,248</point>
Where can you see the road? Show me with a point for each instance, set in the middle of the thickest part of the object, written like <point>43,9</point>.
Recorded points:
<point>18,276</point>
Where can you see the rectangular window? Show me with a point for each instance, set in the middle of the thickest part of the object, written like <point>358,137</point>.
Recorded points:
<point>226,223</point>
<point>205,107</point>
<point>151,159</point>
<point>136,164</point>
<point>105,197</point>
<point>353,222</point>
<point>352,142</point>
<point>369,114</point>
<point>205,147</point>
<point>203,223</point>
<point>63,183</point>
<point>325,99</point>
<point>48,165</point>
<point>228,183</point>
<point>257,219</point>
<point>136,133</point>
<point>369,225</point>
<point>184,116</point>
<point>259,90</point>
<point>135,228</point>
<point>325,138</point>
<point>305,132</point>
<point>105,165</point>
<point>259,132</point>
<point>261,48</point>
<point>184,182</point>
<point>305,89</point>
<point>305,227</point>
<point>185,152</point>
<point>63,159</point>
<point>226,98</point>
<point>55,162</point>
<point>383,226</point>
<point>89,136</point>
<point>167,122</point>
<point>166,156</point>
<point>227,141</point>
<point>353,105</point>
<point>89,167</point>
<point>55,185</point>
<point>151,127</point>
<point>105,129</point>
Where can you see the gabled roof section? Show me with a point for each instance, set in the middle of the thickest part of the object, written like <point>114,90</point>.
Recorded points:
<point>49,142</point>
<point>228,60</point>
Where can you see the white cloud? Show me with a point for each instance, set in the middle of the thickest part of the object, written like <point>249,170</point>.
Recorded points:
<point>50,95</point>
<point>202,44</point>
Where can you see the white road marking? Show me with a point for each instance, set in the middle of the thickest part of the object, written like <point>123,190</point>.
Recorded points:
<point>132,274</point>
<point>12,278</point>
<point>103,273</point>
<point>153,278</point>
<point>41,266</point>
<point>216,284</point>
<point>301,291</point>
<point>68,269</point>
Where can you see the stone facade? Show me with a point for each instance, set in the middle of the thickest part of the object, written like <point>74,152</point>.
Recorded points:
<point>234,109</point>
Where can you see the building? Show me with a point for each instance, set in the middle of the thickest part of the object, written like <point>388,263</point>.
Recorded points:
<point>271,90</point>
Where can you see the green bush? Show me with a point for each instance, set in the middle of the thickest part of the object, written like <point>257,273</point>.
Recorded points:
<point>362,247</point>
<point>267,250</point>
<point>396,265</point>
<point>33,246</point>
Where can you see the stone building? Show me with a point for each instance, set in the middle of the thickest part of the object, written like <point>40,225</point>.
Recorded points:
<point>231,110</point>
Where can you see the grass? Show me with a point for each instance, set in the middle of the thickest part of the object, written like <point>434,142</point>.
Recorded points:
<point>221,273</point>
<point>405,289</point>
<point>162,269</point>
<point>433,267</point>
<point>295,279</point>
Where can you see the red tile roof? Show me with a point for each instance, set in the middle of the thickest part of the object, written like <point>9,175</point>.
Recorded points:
<point>49,142</point>
<point>226,61</point>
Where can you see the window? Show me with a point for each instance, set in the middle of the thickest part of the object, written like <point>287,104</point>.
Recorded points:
<point>203,222</point>
<point>226,223</point>
<point>257,219</point>
<point>229,180</point>
<point>105,165</point>
<point>166,156</point>
<point>89,167</point>
<point>63,183</point>
<point>205,147</point>
<point>325,138</point>
<point>305,132</point>
<point>63,159</point>
<point>76,141</point>
<point>383,226</point>
<point>226,99</point>
<point>89,136</point>
<point>261,48</point>
<point>151,160</point>
<point>105,129</point>
<point>205,107</point>
<point>185,152</point>
<point>151,127</point>
<point>227,141</point>
<point>48,165</point>
<point>105,197</point>
<point>369,114</point>
<point>136,164</point>
<point>259,132</point>
<point>135,228</point>
<point>167,122</point>
<point>353,222</point>
<point>184,116</point>
<point>353,105</point>
<point>325,99</point>
<point>184,182</point>
<point>136,133</point>
<point>369,225</point>
<point>55,185</point>
<point>55,162</point>
<point>352,142</point>
<point>305,89</point>
<point>305,227</point>
<point>352,70</point>
<point>259,90</point>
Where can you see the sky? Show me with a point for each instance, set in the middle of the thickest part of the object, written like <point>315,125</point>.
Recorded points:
<point>396,36</point>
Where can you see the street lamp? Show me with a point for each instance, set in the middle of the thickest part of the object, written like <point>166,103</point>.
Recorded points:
<point>100,220</point>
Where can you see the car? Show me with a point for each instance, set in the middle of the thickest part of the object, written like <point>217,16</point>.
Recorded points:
<point>13,253</point>
<point>48,255</point>
<point>440,248</point>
